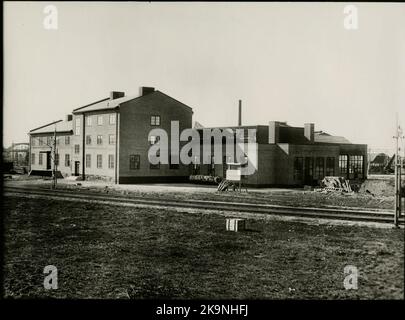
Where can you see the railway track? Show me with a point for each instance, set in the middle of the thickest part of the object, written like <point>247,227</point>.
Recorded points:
<point>324,213</point>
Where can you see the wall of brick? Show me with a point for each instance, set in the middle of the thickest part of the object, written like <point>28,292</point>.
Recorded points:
<point>134,127</point>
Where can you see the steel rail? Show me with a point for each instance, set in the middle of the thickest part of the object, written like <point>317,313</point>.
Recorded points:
<point>325,213</point>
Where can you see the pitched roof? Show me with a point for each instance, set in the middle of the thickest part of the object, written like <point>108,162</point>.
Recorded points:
<point>61,126</point>
<point>103,104</point>
<point>108,104</point>
<point>323,137</point>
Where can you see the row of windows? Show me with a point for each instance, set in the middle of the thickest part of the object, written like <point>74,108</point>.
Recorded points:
<point>111,139</point>
<point>313,168</point>
<point>41,156</point>
<point>99,161</point>
<point>89,121</point>
<point>154,121</point>
<point>318,167</point>
<point>48,141</point>
<point>135,163</point>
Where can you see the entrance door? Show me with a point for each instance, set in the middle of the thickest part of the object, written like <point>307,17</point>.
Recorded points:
<point>48,160</point>
<point>77,167</point>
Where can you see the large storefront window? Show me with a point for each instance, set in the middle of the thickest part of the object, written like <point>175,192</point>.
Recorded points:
<point>356,166</point>
<point>298,168</point>
<point>330,166</point>
<point>343,165</point>
<point>319,168</point>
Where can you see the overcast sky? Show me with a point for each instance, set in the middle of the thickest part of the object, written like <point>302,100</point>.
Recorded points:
<point>291,62</point>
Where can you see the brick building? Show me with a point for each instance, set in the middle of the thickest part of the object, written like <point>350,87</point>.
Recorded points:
<point>108,139</point>
<point>293,156</point>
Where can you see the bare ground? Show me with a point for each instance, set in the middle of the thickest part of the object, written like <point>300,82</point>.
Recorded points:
<point>120,252</point>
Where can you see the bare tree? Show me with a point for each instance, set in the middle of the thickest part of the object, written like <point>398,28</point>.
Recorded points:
<point>52,146</point>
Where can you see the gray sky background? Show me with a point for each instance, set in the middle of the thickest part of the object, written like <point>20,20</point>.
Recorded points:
<point>291,62</point>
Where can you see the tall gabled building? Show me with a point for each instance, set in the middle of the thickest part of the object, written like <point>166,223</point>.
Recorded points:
<point>109,138</point>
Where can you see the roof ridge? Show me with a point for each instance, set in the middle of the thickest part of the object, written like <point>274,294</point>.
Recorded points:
<point>46,125</point>
<point>90,104</point>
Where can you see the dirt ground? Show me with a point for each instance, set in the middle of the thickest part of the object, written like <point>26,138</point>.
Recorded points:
<point>378,197</point>
<point>120,252</point>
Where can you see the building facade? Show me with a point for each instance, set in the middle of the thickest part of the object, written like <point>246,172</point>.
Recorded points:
<point>109,139</point>
<point>283,155</point>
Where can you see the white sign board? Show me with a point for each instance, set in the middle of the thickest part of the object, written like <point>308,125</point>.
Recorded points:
<point>233,174</point>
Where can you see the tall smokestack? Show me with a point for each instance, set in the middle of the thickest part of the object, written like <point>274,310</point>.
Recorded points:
<point>240,113</point>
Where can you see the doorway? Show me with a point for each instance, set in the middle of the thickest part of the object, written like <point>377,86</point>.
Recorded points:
<point>77,168</point>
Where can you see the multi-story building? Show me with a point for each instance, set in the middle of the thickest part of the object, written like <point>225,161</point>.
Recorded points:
<point>108,139</point>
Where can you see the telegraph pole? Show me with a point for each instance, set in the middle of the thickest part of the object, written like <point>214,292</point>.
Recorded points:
<point>398,165</point>
<point>54,160</point>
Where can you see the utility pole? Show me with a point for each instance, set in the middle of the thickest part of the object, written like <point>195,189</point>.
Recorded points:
<point>54,160</point>
<point>398,183</point>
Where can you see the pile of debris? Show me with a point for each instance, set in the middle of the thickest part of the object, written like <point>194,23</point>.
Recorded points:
<point>334,184</point>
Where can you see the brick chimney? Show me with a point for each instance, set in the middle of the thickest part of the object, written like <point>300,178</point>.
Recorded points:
<point>309,132</point>
<point>116,95</point>
<point>146,90</point>
<point>274,131</point>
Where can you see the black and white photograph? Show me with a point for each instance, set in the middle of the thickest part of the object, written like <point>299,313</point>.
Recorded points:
<point>203,151</point>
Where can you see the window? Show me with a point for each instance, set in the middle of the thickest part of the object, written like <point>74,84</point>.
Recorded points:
<point>153,140</point>
<point>99,161</point>
<point>343,165</point>
<point>155,120</point>
<point>111,139</point>
<point>309,168</point>
<point>298,168</point>
<point>41,141</point>
<point>356,166</point>
<point>88,139</point>
<point>77,148</point>
<point>100,120</point>
<point>40,159</point>
<point>319,168</point>
<point>67,160</point>
<point>112,118</point>
<point>110,161</point>
<point>32,158</point>
<point>77,126</point>
<point>56,159</point>
<point>33,142</point>
<point>173,165</point>
<point>48,141</point>
<point>330,166</point>
<point>134,162</point>
<point>89,121</point>
<point>67,140</point>
<point>100,139</point>
<point>88,160</point>
<point>57,141</point>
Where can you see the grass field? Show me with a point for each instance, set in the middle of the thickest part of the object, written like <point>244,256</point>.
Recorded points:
<point>120,252</point>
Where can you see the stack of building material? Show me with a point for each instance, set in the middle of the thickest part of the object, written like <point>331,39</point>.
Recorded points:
<point>225,185</point>
<point>205,179</point>
<point>336,184</point>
